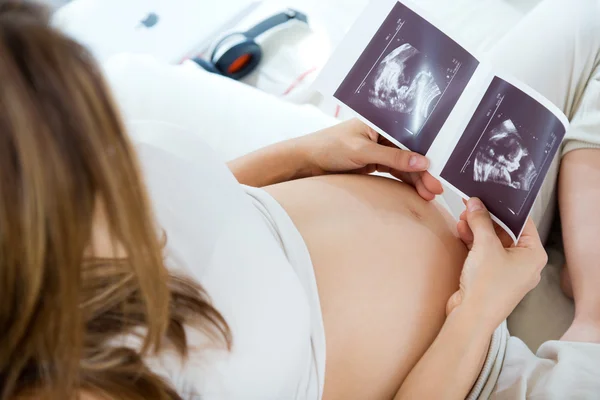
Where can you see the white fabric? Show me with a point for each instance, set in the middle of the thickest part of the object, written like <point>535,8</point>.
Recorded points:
<point>233,118</point>
<point>265,289</point>
<point>109,27</point>
<point>557,371</point>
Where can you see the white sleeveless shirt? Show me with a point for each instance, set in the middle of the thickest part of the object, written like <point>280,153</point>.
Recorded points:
<point>236,241</point>
<point>240,245</point>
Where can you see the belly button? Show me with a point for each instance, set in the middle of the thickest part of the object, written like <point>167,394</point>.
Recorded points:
<point>418,216</point>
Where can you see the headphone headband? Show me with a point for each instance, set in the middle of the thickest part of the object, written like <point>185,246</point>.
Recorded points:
<point>273,21</point>
<point>235,55</point>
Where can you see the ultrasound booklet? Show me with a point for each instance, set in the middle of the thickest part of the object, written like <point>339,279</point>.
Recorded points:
<point>486,134</point>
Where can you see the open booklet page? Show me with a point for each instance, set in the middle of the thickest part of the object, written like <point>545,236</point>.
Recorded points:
<point>486,134</point>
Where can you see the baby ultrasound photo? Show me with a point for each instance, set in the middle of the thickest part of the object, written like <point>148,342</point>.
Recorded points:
<point>404,83</point>
<point>505,152</point>
<point>408,79</point>
<point>503,158</point>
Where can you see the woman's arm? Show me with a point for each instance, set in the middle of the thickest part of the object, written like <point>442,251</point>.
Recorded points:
<point>277,163</point>
<point>493,281</point>
<point>453,362</point>
<point>347,147</point>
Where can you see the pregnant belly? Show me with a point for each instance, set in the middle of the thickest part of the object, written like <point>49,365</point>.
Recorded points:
<point>386,262</point>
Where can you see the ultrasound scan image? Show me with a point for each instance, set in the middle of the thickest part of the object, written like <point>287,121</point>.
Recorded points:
<point>404,83</point>
<point>502,158</point>
<point>505,152</point>
<point>408,79</point>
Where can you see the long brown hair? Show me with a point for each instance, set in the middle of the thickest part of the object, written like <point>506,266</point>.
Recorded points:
<point>63,154</point>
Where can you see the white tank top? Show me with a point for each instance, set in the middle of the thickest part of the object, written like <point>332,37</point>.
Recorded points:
<point>239,244</point>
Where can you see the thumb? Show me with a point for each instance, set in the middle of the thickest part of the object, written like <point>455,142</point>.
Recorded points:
<point>394,158</point>
<point>530,237</point>
<point>480,222</point>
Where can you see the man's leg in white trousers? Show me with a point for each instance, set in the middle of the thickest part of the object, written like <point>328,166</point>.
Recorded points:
<point>555,50</point>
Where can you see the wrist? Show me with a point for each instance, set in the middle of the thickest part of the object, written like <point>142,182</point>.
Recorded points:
<point>478,318</point>
<point>303,151</point>
<point>298,157</point>
<point>279,162</point>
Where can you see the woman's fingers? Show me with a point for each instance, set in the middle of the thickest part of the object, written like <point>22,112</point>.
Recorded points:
<point>530,248</point>
<point>414,179</point>
<point>481,224</point>
<point>422,189</point>
<point>408,166</point>
<point>465,233</point>
<point>530,252</point>
<point>392,157</point>
<point>427,186</point>
<point>530,237</point>
<point>432,184</point>
<point>504,237</point>
<point>424,182</point>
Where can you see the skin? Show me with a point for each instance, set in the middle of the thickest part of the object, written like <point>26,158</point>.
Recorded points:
<point>579,191</point>
<point>373,287</point>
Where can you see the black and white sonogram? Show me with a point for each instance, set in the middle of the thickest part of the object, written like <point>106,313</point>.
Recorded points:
<point>400,85</point>
<point>408,79</point>
<point>505,152</point>
<point>502,158</point>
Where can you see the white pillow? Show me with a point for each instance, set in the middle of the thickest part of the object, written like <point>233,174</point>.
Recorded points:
<point>231,117</point>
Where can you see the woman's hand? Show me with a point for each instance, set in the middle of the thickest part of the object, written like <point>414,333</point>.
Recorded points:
<point>495,278</point>
<point>354,147</point>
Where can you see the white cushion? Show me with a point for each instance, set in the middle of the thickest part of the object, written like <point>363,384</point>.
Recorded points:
<point>231,117</point>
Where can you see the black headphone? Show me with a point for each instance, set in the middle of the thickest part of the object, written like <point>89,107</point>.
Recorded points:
<point>237,54</point>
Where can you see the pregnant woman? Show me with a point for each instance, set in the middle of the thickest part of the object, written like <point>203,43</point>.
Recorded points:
<point>170,280</point>
<point>332,287</point>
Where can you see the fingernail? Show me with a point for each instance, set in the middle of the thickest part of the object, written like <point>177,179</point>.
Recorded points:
<point>474,205</point>
<point>418,162</point>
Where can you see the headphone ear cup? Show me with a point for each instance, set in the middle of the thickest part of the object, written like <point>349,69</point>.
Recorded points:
<point>206,65</point>
<point>239,60</point>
